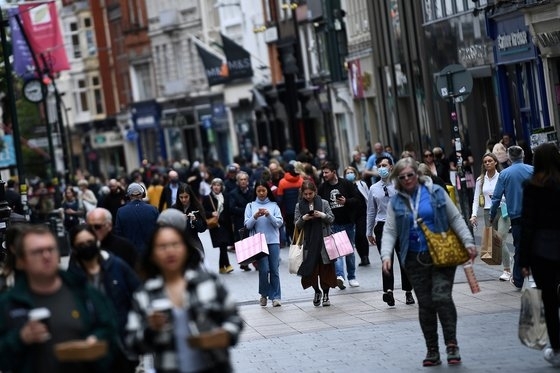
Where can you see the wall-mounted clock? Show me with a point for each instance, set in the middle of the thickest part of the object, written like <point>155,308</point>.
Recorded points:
<point>34,91</point>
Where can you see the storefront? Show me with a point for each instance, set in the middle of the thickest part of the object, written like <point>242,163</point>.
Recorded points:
<point>544,23</point>
<point>146,118</point>
<point>519,76</point>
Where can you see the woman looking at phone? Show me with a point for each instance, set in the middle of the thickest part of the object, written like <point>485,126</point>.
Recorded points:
<point>313,214</point>
<point>263,216</point>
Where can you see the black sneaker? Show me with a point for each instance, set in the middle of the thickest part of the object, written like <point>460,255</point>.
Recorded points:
<point>409,298</point>
<point>432,357</point>
<point>389,298</point>
<point>317,299</point>
<point>453,356</point>
<point>245,267</point>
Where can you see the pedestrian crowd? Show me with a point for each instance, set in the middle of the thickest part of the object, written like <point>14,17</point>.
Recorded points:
<point>137,290</point>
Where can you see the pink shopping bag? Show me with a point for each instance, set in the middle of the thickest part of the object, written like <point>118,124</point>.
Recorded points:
<point>330,246</point>
<point>343,244</point>
<point>251,248</point>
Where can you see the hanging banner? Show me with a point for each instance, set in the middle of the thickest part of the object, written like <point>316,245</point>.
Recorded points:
<point>355,78</point>
<point>41,25</point>
<point>237,58</point>
<point>23,61</point>
<point>216,69</point>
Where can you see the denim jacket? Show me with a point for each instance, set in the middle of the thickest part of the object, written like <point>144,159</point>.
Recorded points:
<point>399,214</point>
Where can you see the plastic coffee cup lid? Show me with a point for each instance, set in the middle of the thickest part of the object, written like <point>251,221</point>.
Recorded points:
<point>39,314</point>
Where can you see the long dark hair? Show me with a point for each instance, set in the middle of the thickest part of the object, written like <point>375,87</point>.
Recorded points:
<point>546,163</point>
<point>79,229</point>
<point>148,267</point>
<point>194,201</point>
<point>269,193</point>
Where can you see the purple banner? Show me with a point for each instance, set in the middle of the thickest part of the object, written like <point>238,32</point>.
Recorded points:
<point>23,61</point>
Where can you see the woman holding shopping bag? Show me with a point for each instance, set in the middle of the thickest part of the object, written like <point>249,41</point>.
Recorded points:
<point>540,239</point>
<point>484,188</point>
<point>313,214</point>
<point>263,216</point>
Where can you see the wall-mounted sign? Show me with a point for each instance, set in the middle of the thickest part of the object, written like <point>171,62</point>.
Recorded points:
<point>106,139</point>
<point>512,40</point>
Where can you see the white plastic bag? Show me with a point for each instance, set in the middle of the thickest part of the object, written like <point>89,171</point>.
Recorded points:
<point>532,324</point>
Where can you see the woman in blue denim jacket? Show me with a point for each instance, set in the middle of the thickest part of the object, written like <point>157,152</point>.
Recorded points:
<point>418,197</point>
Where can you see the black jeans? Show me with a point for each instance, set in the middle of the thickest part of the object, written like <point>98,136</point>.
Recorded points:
<point>389,279</point>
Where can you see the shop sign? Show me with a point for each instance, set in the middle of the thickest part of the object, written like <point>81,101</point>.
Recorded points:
<point>106,139</point>
<point>513,40</point>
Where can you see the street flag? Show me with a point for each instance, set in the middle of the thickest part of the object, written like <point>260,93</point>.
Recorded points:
<point>41,25</point>
<point>238,59</point>
<point>23,61</point>
<point>216,69</point>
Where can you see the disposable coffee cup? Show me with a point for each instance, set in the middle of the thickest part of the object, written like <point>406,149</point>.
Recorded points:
<point>161,305</point>
<point>43,315</point>
<point>39,314</point>
<point>164,306</point>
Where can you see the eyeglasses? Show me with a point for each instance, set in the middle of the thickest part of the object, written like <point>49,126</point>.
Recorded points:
<point>385,190</point>
<point>428,155</point>
<point>97,226</point>
<point>407,176</point>
<point>40,251</point>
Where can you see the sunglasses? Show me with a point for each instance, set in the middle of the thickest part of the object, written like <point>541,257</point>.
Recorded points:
<point>428,155</point>
<point>97,226</point>
<point>407,176</point>
<point>385,190</point>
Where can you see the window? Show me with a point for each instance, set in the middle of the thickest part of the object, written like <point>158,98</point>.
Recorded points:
<point>75,38</point>
<point>142,73</point>
<point>97,95</point>
<point>82,96</point>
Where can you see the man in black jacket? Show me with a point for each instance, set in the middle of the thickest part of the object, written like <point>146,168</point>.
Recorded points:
<point>102,222</point>
<point>239,198</point>
<point>342,196</point>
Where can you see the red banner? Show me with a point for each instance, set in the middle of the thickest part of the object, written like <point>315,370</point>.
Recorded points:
<point>41,25</point>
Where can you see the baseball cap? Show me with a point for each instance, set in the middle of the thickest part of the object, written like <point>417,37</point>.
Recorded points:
<point>232,168</point>
<point>172,217</point>
<point>134,189</point>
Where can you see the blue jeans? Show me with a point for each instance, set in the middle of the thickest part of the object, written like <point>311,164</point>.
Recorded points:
<point>269,275</point>
<point>351,258</point>
<point>516,273</point>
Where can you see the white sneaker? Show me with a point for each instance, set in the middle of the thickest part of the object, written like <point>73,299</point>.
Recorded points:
<point>552,357</point>
<point>354,283</point>
<point>505,276</point>
<point>340,282</point>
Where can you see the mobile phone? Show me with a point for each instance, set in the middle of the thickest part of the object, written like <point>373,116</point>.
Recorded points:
<point>338,196</point>
<point>311,212</point>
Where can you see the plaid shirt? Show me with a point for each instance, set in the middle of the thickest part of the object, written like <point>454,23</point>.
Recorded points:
<point>209,307</point>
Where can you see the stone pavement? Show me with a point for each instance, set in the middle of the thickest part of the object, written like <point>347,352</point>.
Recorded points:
<point>360,333</point>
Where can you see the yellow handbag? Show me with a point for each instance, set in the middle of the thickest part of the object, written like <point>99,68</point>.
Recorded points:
<point>446,249</point>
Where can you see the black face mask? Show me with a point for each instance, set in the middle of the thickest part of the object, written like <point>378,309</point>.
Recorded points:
<point>87,252</point>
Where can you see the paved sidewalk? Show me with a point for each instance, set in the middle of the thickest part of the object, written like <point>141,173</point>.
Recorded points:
<point>360,333</point>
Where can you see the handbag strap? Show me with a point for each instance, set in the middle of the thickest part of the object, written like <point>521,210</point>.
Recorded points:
<point>212,201</point>
<point>298,236</point>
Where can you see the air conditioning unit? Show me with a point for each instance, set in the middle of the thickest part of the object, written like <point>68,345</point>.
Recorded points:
<point>175,87</point>
<point>168,19</point>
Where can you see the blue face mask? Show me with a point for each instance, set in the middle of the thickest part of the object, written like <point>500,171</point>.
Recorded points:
<point>383,172</point>
<point>350,177</point>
